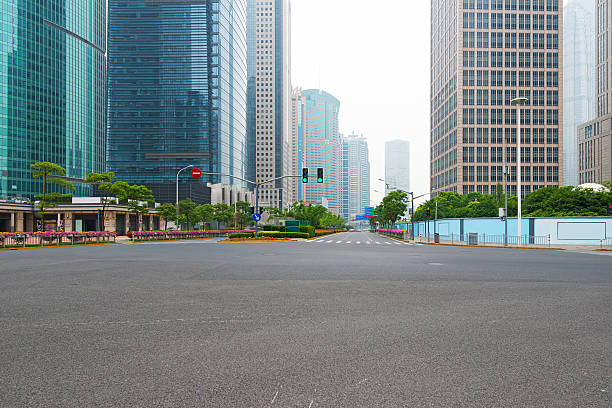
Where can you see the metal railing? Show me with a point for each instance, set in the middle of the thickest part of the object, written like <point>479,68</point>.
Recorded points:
<point>476,239</point>
<point>42,239</point>
<point>606,244</point>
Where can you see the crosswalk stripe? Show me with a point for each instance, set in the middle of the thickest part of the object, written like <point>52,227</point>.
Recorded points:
<point>330,241</point>
<point>368,242</point>
<point>348,242</point>
<point>388,243</point>
<point>397,243</point>
<point>378,243</point>
<point>358,242</point>
<point>338,242</point>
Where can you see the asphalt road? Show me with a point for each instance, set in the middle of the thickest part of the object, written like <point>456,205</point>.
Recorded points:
<point>339,322</point>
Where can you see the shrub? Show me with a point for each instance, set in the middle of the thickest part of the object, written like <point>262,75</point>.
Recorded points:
<point>240,235</point>
<point>310,230</point>
<point>129,234</point>
<point>280,234</point>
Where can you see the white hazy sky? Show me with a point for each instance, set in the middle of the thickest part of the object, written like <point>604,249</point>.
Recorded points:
<point>375,60</point>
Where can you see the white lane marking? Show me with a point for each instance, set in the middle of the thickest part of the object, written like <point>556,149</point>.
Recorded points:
<point>358,242</point>
<point>330,241</point>
<point>397,243</point>
<point>597,253</point>
<point>378,243</point>
<point>348,242</point>
<point>274,399</point>
<point>338,242</point>
<point>388,243</point>
<point>368,242</point>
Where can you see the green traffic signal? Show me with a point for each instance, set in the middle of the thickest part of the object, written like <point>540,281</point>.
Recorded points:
<point>319,175</point>
<point>304,175</point>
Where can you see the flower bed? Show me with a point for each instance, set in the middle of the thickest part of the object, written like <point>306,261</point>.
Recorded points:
<point>323,232</point>
<point>397,233</point>
<point>258,239</point>
<point>175,235</point>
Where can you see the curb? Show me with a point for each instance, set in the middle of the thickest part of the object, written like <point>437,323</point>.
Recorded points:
<point>55,246</point>
<point>493,246</point>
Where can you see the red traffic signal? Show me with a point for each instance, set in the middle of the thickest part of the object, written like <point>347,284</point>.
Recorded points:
<point>609,208</point>
<point>196,173</point>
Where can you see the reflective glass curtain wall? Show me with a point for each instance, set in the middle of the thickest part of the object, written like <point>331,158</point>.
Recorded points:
<point>177,90</point>
<point>52,90</point>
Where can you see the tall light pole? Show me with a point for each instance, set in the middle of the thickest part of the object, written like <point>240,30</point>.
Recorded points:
<point>519,102</point>
<point>177,194</point>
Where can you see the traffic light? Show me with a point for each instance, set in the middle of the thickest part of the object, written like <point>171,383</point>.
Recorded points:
<point>252,210</point>
<point>609,208</point>
<point>304,175</point>
<point>320,175</point>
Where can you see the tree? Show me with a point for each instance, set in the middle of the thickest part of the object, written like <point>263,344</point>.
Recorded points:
<point>137,198</point>
<point>332,221</point>
<point>243,210</point>
<point>206,212</point>
<point>168,212</point>
<point>307,212</point>
<point>393,206</point>
<point>49,173</point>
<point>187,208</point>
<point>223,213</point>
<point>102,181</point>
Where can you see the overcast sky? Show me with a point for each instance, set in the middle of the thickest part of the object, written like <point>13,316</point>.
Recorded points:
<point>374,57</point>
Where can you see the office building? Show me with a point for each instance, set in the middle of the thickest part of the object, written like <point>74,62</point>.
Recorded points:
<point>177,94</point>
<point>354,177</point>
<point>397,167</point>
<point>52,91</point>
<point>595,137</point>
<point>578,79</point>
<point>484,54</point>
<point>297,148</point>
<point>322,148</point>
<point>269,88</point>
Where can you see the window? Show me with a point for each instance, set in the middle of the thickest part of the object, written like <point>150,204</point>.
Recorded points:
<point>468,20</point>
<point>538,116</point>
<point>511,154</point>
<point>468,58</point>
<point>468,173</point>
<point>552,136</point>
<point>482,116</point>
<point>525,154</point>
<point>538,41</point>
<point>482,78</point>
<point>468,116</point>
<point>497,59</point>
<point>524,40</point>
<point>526,136</point>
<point>524,60</point>
<point>482,97</point>
<point>482,39</point>
<point>538,155</point>
<point>482,135</point>
<point>552,41</point>
<point>538,22</point>
<point>468,39</point>
<point>552,174</point>
<point>482,58</point>
<point>469,4</point>
<point>552,98</point>
<point>510,117</point>
<point>482,20</point>
<point>468,96</point>
<point>552,79</point>
<point>497,173</point>
<point>538,173</point>
<point>552,60</point>
<point>482,173</point>
<point>538,98</point>
<point>497,117</point>
<point>482,154</point>
<point>552,117</point>
<point>468,135</point>
<point>497,97</point>
<point>510,22</point>
<point>538,60</point>
<point>538,79</point>
<point>510,4</point>
<point>510,134</point>
<point>468,154</point>
<point>538,136</point>
<point>524,22</point>
<point>524,5</point>
<point>497,4</point>
<point>524,78</point>
<point>509,94</point>
<point>497,40</point>
<point>552,22</point>
<point>497,78</point>
<point>552,5</point>
<point>510,59</point>
<point>497,155</point>
<point>525,118</point>
<point>468,78</point>
<point>510,40</point>
<point>525,176</point>
<point>497,135</point>
<point>510,78</point>
<point>552,155</point>
<point>482,4</point>
<point>497,21</point>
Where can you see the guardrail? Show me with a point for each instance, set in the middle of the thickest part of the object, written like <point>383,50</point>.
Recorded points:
<point>487,239</point>
<point>41,239</point>
<point>606,244</point>
<point>180,235</point>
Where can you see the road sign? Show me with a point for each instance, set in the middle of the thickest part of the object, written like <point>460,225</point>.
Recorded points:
<point>256,217</point>
<point>196,173</point>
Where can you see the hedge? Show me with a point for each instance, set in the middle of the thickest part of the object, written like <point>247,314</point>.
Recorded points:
<point>310,230</point>
<point>279,234</point>
<point>280,228</point>
<point>240,235</point>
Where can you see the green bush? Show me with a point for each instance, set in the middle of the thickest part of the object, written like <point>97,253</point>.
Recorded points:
<point>280,228</point>
<point>281,234</point>
<point>129,234</point>
<point>310,230</point>
<point>240,235</point>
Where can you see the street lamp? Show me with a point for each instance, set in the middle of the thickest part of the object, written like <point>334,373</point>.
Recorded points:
<point>519,102</point>
<point>177,194</point>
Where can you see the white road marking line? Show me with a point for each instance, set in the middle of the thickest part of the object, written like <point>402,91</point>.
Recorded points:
<point>330,241</point>
<point>358,242</point>
<point>348,242</point>
<point>378,243</point>
<point>274,399</point>
<point>338,242</point>
<point>388,243</point>
<point>368,242</point>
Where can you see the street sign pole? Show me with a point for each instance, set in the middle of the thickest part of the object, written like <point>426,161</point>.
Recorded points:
<point>256,209</point>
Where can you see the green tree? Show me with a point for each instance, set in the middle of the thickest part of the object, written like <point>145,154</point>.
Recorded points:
<point>243,209</point>
<point>101,181</point>
<point>188,209</point>
<point>49,172</point>
<point>223,213</point>
<point>330,220</point>
<point>307,212</point>
<point>168,212</point>
<point>393,206</point>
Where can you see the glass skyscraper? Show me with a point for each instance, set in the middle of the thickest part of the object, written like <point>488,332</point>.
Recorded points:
<point>52,90</point>
<point>177,93</point>
<point>322,148</point>
<point>354,177</point>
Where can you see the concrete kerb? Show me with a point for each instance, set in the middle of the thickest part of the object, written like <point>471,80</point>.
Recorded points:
<point>58,246</point>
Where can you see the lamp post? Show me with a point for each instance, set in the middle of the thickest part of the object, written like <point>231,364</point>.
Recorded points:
<point>177,194</point>
<point>519,102</point>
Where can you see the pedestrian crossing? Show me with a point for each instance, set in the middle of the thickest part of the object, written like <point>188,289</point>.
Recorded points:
<point>366,243</point>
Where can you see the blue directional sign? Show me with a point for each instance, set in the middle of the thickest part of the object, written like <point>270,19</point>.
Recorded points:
<point>256,217</point>
<point>369,212</point>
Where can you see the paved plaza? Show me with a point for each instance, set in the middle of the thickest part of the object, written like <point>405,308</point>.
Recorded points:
<point>350,320</point>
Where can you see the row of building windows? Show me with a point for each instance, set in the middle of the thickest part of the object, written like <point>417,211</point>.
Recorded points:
<point>536,79</point>
<point>473,116</point>
<point>485,189</point>
<point>528,154</point>
<point>478,39</point>
<point>499,97</point>
<point>523,5</point>
<point>496,173</point>
<point>499,21</point>
<point>496,135</point>
<point>510,59</point>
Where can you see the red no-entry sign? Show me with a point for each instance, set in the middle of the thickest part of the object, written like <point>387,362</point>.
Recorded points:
<point>196,173</point>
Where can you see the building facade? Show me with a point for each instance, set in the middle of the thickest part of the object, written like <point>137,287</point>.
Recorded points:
<point>485,53</point>
<point>269,88</point>
<point>177,93</point>
<point>52,91</point>
<point>397,166</point>
<point>595,137</point>
<point>297,148</point>
<point>322,148</point>
<point>354,176</point>
<point>578,79</point>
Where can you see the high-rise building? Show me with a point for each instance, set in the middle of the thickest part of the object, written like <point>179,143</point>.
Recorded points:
<point>578,79</point>
<point>269,88</point>
<point>484,54</point>
<point>52,91</point>
<point>397,166</point>
<point>354,177</point>
<point>322,148</point>
<point>177,94</point>
<point>595,137</point>
<point>297,147</point>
